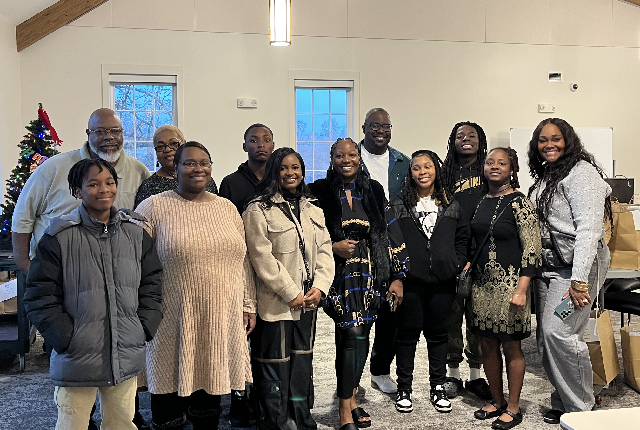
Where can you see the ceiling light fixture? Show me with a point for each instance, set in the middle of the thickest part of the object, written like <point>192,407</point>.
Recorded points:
<point>280,22</point>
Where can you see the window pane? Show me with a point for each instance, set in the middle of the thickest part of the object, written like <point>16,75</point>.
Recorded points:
<point>319,174</point>
<point>143,95</point>
<point>144,126</point>
<point>339,101</point>
<point>321,156</point>
<point>306,150</point>
<point>164,97</point>
<point>127,124</point>
<point>338,127</point>
<point>163,118</point>
<point>308,176</point>
<point>321,128</point>
<point>321,101</point>
<point>130,148</point>
<point>303,100</point>
<point>123,96</point>
<point>304,127</point>
<point>146,154</point>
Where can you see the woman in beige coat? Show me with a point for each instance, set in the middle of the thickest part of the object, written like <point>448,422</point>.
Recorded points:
<point>279,224</point>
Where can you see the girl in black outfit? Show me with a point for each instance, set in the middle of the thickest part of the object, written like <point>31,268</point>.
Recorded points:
<point>353,207</point>
<point>428,232</point>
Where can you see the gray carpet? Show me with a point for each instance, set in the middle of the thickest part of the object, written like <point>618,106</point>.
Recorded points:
<point>26,399</point>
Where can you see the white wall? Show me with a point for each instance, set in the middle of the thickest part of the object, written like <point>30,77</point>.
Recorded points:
<point>10,130</point>
<point>431,63</point>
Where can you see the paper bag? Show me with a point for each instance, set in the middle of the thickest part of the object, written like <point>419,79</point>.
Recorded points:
<point>603,353</point>
<point>624,244</point>
<point>630,341</point>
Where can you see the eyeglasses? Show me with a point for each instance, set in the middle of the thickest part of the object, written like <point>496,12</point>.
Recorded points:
<point>193,164</point>
<point>171,146</point>
<point>375,126</point>
<point>102,132</point>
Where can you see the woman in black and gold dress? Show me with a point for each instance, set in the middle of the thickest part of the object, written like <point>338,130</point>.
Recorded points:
<point>508,260</point>
<point>353,206</point>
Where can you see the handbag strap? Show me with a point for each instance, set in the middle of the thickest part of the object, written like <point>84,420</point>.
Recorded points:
<point>493,222</point>
<point>300,241</point>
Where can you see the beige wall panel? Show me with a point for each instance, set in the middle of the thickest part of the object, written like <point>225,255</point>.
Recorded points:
<point>98,17</point>
<point>626,24</point>
<point>11,130</point>
<point>418,19</point>
<point>319,18</point>
<point>154,14</point>
<point>237,16</point>
<point>519,21</point>
<point>582,22</point>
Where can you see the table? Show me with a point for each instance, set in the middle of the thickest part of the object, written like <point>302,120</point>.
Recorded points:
<point>17,332</point>
<point>614,273</point>
<point>623,418</point>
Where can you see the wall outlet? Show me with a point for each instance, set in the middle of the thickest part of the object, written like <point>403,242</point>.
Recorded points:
<point>246,102</point>
<point>546,108</point>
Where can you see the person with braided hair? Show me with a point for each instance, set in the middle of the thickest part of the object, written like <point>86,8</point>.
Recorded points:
<point>507,237</point>
<point>462,175</point>
<point>572,198</point>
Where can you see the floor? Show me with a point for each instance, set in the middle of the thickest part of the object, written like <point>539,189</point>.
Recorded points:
<point>26,399</point>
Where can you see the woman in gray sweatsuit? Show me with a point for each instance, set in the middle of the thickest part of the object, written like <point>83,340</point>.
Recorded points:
<point>571,197</point>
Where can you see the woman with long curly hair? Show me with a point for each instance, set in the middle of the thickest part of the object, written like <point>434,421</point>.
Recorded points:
<point>286,232</point>
<point>571,199</point>
<point>353,206</point>
<point>428,225</point>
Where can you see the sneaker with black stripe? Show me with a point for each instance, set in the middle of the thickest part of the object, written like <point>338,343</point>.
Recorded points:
<point>439,399</point>
<point>403,401</point>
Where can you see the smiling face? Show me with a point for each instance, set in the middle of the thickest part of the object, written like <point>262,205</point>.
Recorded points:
<point>98,192</point>
<point>105,135</point>
<point>551,143</point>
<point>497,168</point>
<point>467,141</point>
<point>346,160</point>
<point>258,144</point>
<point>423,172</point>
<point>290,173</point>
<point>165,139</point>
<point>193,179</point>
<point>377,141</point>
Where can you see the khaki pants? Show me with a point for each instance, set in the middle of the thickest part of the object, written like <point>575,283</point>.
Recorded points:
<point>117,406</point>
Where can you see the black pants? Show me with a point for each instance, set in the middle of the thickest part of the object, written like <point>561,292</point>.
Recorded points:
<point>167,410</point>
<point>281,361</point>
<point>424,309</point>
<point>382,352</point>
<point>352,348</point>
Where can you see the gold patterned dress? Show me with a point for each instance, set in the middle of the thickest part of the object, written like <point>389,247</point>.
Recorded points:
<point>512,250</point>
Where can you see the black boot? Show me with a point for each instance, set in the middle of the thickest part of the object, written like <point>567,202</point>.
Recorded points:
<point>176,424</point>
<point>239,413</point>
<point>207,419</point>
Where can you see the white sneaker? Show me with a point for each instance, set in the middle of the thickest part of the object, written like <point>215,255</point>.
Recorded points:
<point>403,401</point>
<point>384,383</point>
<point>439,399</point>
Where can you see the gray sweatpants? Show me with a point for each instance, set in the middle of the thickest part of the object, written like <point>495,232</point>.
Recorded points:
<point>565,355</point>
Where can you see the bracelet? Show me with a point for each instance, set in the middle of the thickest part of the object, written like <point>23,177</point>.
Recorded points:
<point>581,287</point>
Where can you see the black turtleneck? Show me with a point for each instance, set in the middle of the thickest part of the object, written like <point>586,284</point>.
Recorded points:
<point>293,199</point>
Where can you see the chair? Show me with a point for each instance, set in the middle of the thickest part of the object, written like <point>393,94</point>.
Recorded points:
<point>622,295</point>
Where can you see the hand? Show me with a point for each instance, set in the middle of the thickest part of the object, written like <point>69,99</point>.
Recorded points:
<point>519,301</point>
<point>466,266</point>
<point>344,248</point>
<point>396,288</point>
<point>312,298</point>
<point>580,300</point>
<point>249,322</point>
<point>296,304</point>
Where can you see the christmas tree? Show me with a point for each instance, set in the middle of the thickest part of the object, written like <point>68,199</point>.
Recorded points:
<point>38,145</point>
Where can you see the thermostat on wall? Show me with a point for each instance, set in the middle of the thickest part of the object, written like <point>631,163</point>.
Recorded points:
<point>246,102</point>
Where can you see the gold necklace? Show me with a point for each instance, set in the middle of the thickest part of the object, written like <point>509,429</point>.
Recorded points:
<point>501,189</point>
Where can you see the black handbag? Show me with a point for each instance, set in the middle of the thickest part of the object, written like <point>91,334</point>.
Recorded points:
<point>465,278</point>
<point>563,246</point>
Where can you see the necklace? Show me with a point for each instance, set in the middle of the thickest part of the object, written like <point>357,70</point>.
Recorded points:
<point>501,189</point>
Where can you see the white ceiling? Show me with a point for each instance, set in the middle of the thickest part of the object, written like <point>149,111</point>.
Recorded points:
<point>18,11</point>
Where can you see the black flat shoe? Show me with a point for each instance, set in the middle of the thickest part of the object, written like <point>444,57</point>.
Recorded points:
<point>552,416</point>
<point>481,414</point>
<point>358,413</point>
<point>349,426</point>
<point>506,425</point>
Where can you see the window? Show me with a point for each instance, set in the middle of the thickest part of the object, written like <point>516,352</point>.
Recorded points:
<point>324,113</point>
<point>144,102</point>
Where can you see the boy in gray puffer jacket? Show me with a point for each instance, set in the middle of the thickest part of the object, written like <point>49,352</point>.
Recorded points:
<point>94,293</point>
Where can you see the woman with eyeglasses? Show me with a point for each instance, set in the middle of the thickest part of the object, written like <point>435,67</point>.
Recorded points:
<point>208,292</point>
<point>166,140</point>
<point>290,251</point>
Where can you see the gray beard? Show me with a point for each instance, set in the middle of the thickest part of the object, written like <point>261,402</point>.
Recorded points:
<point>109,157</point>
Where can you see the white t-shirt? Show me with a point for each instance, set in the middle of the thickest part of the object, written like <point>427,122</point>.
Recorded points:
<point>427,214</point>
<point>378,167</point>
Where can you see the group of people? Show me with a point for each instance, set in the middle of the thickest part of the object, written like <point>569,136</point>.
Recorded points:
<point>161,287</point>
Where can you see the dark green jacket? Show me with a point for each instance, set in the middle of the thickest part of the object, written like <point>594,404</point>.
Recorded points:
<point>398,168</point>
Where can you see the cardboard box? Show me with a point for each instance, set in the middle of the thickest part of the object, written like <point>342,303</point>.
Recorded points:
<point>8,297</point>
<point>630,341</point>
<point>9,306</point>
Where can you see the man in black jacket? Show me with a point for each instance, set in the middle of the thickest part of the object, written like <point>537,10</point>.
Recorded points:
<point>239,187</point>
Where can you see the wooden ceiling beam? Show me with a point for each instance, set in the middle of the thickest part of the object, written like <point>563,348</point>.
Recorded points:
<point>636,2</point>
<point>52,18</point>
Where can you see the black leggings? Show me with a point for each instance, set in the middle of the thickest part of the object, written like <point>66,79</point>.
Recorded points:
<point>352,348</point>
<point>424,309</point>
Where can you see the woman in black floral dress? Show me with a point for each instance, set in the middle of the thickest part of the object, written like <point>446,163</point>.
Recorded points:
<point>508,259</point>
<point>353,206</point>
